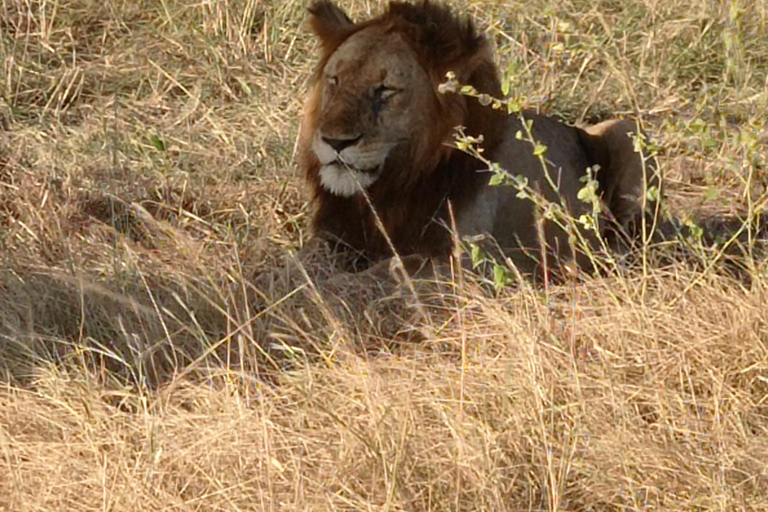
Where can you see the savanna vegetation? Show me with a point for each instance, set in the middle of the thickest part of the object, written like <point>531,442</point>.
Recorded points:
<point>158,353</point>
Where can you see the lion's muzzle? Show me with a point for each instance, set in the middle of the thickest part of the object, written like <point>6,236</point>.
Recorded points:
<point>349,162</point>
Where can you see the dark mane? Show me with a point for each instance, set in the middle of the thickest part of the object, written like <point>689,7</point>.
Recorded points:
<point>414,211</point>
<point>440,37</point>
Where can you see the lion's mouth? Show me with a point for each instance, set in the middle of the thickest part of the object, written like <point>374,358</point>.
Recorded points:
<point>365,170</point>
<point>343,180</point>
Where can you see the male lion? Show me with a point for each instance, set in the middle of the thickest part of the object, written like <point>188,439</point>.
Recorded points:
<point>376,145</point>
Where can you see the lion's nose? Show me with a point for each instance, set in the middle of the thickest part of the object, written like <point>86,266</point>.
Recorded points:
<point>340,145</point>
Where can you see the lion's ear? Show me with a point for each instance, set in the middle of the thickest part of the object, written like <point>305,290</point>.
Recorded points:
<point>329,23</point>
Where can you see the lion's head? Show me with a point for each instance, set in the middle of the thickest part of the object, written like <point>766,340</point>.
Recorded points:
<point>375,119</point>
<point>375,100</point>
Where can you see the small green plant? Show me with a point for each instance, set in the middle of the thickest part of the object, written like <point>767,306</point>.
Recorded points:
<point>556,212</point>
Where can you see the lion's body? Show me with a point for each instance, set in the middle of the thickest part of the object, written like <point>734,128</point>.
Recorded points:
<point>377,136</point>
<point>510,220</point>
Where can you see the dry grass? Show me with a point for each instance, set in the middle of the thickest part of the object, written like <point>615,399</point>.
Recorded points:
<point>156,355</point>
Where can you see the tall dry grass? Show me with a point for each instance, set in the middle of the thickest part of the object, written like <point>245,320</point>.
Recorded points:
<point>157,354</point>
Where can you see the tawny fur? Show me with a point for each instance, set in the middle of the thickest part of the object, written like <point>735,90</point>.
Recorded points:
<point>376,132</point>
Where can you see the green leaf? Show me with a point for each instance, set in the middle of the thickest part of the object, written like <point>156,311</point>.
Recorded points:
<point>539,149</point>
<point>157,142</point>
<point>584,195</point>
<point>477,256</point>
<point>514,106</point>
<point>500,276</point>
<point>497,179</point>
<point>520,181</point>
<point>505,86</point>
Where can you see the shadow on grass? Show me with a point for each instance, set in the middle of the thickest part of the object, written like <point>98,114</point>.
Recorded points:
<point>145,329</point>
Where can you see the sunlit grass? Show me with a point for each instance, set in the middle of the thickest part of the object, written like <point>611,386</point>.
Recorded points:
<point>158,354</point>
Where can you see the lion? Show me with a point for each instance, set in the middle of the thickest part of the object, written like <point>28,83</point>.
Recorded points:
<point>377,148</point>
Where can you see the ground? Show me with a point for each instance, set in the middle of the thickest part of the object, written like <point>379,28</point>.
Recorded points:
<point>153,355</point>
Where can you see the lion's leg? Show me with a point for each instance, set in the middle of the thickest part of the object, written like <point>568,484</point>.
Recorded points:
<point>414,266</point>
<point>625,175</point>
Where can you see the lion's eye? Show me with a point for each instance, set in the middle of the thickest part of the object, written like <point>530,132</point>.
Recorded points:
<point>381,95</point>
<point>383,92</point>
<point>387,92</point>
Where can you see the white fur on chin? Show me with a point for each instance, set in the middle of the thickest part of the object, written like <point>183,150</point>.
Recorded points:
<point>343,182</point>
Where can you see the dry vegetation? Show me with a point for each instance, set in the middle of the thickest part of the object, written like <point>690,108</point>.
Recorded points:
<point>154,357</point>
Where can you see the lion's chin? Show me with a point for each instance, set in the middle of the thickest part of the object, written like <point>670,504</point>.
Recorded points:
<point>345,182</point>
